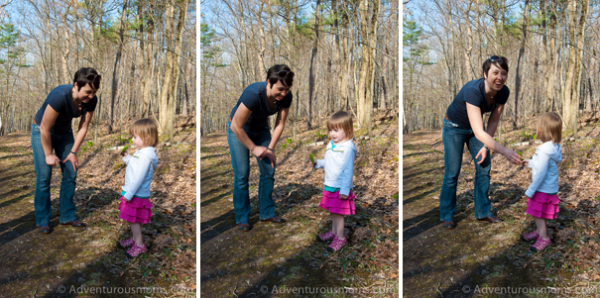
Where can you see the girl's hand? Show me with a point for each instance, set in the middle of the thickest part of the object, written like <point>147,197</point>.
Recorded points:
<point>314,164</point>
<point>124,153</point>
<point>526,162</point>
<point>343,197</point>
<point>483,152</point>
<point>52,160</point>
<point>513,157</point>
<point>73,159</point>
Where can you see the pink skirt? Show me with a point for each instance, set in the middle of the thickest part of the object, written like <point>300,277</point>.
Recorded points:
<point>137,210</point>
<point>543,205</point>
<point>331,201</point>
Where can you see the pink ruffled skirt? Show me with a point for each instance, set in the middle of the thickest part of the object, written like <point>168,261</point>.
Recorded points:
<point>137,210</point>
<point>543,205</point>
<point>331,201</point>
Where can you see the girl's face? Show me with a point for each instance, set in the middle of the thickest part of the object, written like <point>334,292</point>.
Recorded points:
<point>337,134</point>
<point>137,141</point>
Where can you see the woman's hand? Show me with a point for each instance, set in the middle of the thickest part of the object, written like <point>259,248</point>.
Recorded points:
<point>52,160</point>
<point>73,159</point>
<point>271,156</point>
<point>513,157</point>
<point>259,151</point>
<point>483,152</point>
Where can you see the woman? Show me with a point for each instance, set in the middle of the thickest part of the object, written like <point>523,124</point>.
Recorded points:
<point>51,129</point>
<point>248,131</point>
<point>463,123</point>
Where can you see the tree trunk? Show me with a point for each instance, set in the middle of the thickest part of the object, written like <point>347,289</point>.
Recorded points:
<point>572,83</point>
<point>116,69</point>
<point>313,56</point>
<point>365,92</point>
<point>518,77</point>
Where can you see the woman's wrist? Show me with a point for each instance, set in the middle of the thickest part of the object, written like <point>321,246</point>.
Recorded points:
<point>270,149</point>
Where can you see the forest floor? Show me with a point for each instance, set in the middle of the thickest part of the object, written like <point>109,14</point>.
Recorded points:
<point>490,260</point>
<point>283,260</point>
<point>73,262</point>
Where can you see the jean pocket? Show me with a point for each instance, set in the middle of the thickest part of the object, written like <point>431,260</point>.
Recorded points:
<point>450,124</point>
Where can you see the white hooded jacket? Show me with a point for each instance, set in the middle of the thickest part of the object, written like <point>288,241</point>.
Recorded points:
<point>544,165</point>
<point>339,165</point>
<point>139,173</point>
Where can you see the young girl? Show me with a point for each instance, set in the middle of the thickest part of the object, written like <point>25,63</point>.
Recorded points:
<point>543,201</point>
<point>338,198</point>
<point>135,204</point>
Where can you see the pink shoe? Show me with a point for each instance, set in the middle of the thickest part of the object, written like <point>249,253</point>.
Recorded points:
<point>540,244</point>
<point>124,244</point>
<point>337,244</point>
<point>135,250</point>
<point>530,236</point>
<point>325,237</point>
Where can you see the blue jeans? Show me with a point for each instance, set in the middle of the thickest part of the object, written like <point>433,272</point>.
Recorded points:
<point>454,139</point>
<point>240,160</point>
<point>62,144</point>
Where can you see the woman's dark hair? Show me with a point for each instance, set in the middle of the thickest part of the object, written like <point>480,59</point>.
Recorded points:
<point>499,61</point>
<point>87,75</point>
<point>280,72</point>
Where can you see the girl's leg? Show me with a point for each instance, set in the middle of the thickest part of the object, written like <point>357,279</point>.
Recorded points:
<point>541,227</point>
<point>136,231</point>
<point>338,222</point>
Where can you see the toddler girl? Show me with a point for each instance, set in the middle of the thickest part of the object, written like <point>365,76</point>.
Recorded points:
<point>338,198</point>
<point>135,204</point>
<point>543,201</point>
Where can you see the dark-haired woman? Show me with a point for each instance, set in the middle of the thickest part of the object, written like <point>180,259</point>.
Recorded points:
<point>248,131</point>
<point>51,131</point>
<point>463,124</point>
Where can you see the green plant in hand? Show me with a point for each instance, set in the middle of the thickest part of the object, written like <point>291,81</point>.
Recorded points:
<point>312,158</point>
<point>125,148</point>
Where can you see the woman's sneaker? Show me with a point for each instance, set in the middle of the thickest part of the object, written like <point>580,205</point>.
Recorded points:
<point>530,236</point>
<point>336,244</point>
<point>540,244</point>
<point>135,250</point>
<point>124,244</point>
<point>325,237</point>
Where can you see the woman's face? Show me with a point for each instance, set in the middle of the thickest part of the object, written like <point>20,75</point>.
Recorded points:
<point>496,77</point>
<point>86,93</point>
<point>278,91</point>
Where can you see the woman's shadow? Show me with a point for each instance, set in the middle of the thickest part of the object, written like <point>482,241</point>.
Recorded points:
<point>297,193</point>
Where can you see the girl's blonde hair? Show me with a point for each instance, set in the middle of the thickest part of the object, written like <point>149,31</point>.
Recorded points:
<point>341,120</point>
<point>145,129</point>
<point>550,128</point>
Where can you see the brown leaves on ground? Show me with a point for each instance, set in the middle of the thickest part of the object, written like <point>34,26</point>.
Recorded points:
<point>173,226</point>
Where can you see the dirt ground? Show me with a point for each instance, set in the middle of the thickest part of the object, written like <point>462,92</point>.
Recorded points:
<point>475,258</point>
<point>272,260</point>
<point>72,262</point>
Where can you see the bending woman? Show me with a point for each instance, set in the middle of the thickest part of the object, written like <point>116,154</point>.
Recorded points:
<point>51,130</point>
<point>463,124</point>
<point>248,131</point>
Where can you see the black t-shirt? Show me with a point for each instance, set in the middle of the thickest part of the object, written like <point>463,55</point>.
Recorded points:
<point>61,100</point>
<point>254,98</point>
<point>473,92</point>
